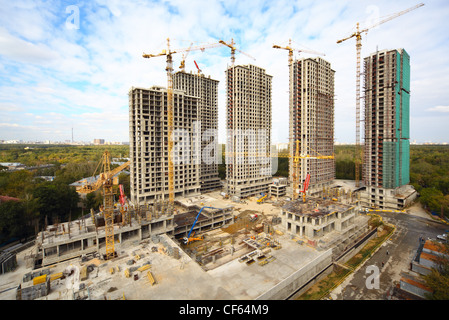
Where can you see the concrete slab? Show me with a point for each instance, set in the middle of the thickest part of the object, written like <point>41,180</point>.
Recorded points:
<point>176,279</point>
<point>184,278</point>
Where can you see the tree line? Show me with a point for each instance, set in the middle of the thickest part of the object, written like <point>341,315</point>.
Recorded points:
<point>47,202</point>
<point>44,201</point>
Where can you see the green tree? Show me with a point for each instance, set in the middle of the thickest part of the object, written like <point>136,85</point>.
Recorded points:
<point>93,200</point>
<point>56,201</point>
<point>13,221</point>
<point>17,183</point>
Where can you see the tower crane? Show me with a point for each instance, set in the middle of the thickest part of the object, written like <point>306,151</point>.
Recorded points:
<point>296,172</point>
<point>233,50</point>
<point>296,155</point>
<point>184,57</point>
<point>168,53</point>
<point>107,181</point>
<point>290,51</point>
<point>358,45</point>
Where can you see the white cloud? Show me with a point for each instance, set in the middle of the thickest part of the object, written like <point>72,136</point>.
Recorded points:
<point>9,125</point>
<point>443,109</point>
<point>84,75</point>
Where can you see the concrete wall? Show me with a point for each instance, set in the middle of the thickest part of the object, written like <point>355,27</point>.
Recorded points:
<point>413,289</point>
<point>298,279</point>
<point>416,267</point>
<point>356,248</point>
<point>8,262</point>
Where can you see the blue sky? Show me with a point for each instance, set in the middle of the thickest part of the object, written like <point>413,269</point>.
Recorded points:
<point>60,70</point>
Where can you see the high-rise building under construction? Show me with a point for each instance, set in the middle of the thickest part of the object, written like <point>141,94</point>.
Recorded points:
<point>386,163</point>
<point>311,120</point>
<point>248,124</point>
<point>206,89</point>
<point>148,134</point>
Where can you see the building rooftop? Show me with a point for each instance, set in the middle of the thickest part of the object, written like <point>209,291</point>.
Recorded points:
<point>315,207</point>
<point>413,281</point>
<point>434,247</point>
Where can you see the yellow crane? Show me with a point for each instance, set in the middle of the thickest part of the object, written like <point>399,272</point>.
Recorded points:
<point>296,154</point>
<point>233,50</point>
<point>358,45</point>
<point>202,47</point>
<point>168,53</point>
<point>296,167</point>
<point>184,57</point>
<point>291,49</point>
<point>107,181</point>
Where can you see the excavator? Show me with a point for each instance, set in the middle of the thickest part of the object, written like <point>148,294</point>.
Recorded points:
<point>190,237</point>
<point>261,199</point>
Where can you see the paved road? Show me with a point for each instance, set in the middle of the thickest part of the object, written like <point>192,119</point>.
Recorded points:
<point>401,248</point>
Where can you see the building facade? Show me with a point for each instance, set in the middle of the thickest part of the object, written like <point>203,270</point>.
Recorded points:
<point>311,120</point>
<point>148,135</point>
<point>206,89</point>
<point>248,124</point>
<point>386,162</point>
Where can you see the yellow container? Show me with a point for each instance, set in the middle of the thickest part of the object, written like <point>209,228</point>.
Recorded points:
<point>151,278</point>
<point>143,268</point>
<point>40,279</point>
<point>127,274</point>
<point>55,276</point>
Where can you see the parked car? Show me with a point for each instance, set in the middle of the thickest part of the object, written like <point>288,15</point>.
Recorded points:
<point>442,237</point>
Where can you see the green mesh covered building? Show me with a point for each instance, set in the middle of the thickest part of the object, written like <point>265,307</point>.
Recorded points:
<point>386,162</point>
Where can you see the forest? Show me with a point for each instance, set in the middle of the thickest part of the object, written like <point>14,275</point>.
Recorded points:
<point>46,202</point>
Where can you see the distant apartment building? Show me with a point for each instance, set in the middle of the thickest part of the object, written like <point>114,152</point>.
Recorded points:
<point>282,147</point>
<point>98,141</point>
<point>248,124</point>
<point>206,89</point>
<point>311,120</point>
<point>386,163</point>
<point>148,135</point>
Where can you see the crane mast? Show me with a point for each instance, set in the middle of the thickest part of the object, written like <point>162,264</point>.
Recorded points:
<point>169,58</point>
<point>295,155</point>
<point>171,188</point>
<point>107,181</point>
<point>358,45</point>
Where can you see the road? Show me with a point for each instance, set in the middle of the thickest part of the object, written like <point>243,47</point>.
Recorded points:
<point>396,254</point>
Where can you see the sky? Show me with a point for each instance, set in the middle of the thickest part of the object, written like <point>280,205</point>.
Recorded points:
<point>70,64</point>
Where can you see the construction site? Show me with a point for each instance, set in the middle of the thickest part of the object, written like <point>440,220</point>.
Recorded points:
<point>208,247</point>
<point>186,234</point>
